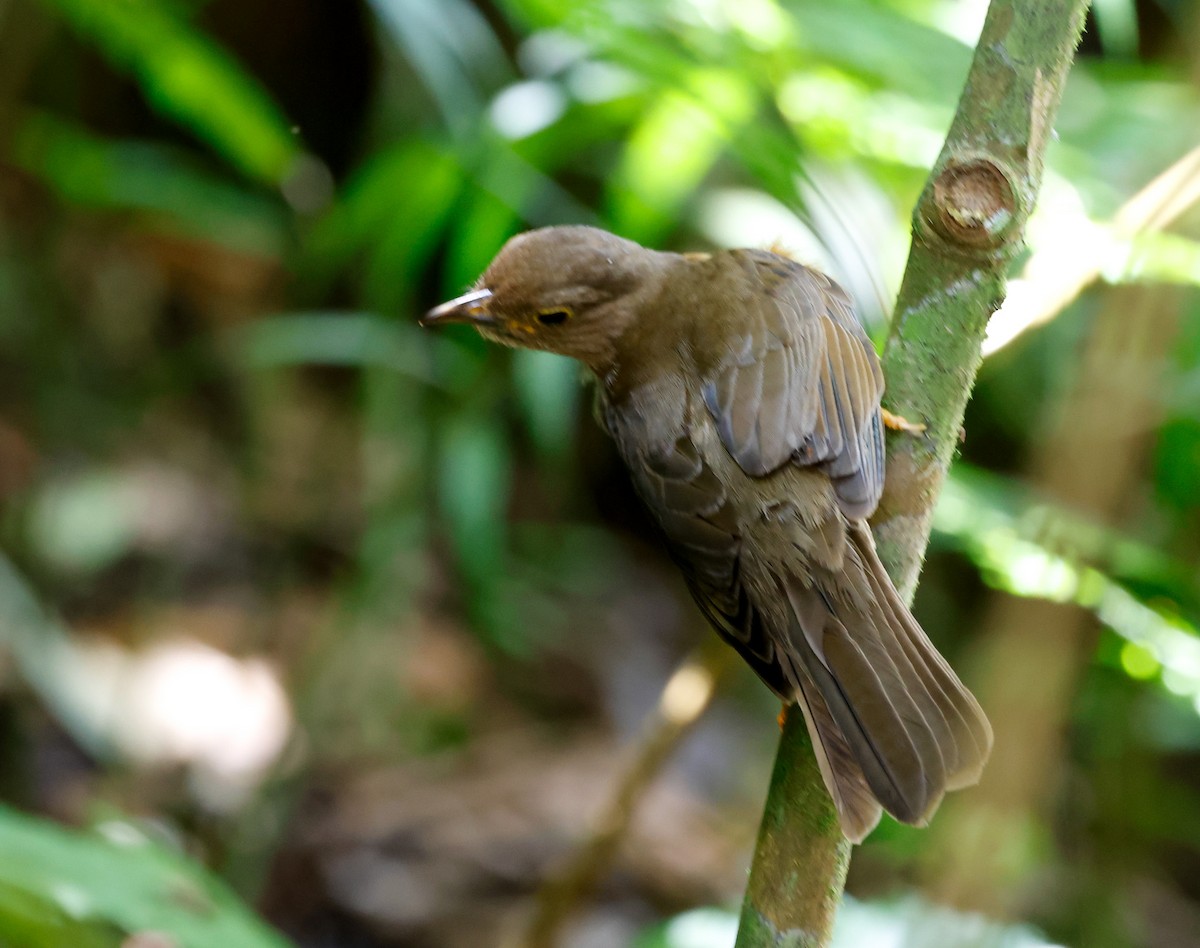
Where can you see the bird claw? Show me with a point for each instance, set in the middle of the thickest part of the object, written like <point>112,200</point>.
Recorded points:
<point>900,423</point>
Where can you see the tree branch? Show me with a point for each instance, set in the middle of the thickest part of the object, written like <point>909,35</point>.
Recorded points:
<point>968,224</point>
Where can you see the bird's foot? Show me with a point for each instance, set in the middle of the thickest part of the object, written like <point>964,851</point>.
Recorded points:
<point>900,423</point>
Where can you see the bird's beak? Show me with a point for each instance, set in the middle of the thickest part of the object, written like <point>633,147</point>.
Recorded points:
<point>469,308</point>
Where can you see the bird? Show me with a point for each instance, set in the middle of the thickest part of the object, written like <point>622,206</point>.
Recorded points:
<point>744,397</point>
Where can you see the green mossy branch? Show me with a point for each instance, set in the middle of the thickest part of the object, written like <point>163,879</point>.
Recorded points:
<point>968,224</point>
<point>801,858</point>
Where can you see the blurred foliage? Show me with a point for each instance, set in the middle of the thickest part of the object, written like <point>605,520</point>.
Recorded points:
<point>190,79</point>
<point>220,427</point>
<point>59,888</point>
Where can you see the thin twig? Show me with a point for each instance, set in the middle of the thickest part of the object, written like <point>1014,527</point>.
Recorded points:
<point>687,695</point>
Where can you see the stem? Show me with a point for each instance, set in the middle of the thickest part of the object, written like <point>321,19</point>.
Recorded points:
<point>686,697</point>
<point>968,224</point>
<point>801,859</point>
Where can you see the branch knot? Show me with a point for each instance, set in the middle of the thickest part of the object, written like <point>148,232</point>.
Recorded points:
<point>974,204</point>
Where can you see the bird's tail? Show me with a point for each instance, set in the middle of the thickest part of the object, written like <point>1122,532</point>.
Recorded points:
<point>891,723</point>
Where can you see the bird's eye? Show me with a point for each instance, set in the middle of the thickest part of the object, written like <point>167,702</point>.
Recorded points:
<point>553,317</point>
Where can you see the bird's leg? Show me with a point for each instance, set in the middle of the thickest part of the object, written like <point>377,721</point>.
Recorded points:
<point>900,423</point>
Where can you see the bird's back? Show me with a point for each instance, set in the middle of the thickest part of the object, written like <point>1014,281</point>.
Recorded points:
<point>748,415</point>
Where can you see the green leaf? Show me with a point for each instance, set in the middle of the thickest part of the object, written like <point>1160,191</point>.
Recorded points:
<point>478,231</point>
<point>83,524</point>
<point>672,149</point>
<point>1155,257</point>
<point>162,183</point>
<point>331,338</point>
<point>1177,462</point>
<point>188,77</point>
<point>548,388</point>
<point>453,49</point>
<point>1029,549</point>
<point>473,484</point>
<point>59,887</point>
<point>870,40</point>
<point>393,210</point>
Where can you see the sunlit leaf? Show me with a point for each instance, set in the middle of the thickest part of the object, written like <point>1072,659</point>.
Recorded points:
<point>189,78</point>
<point>1027,549</point>
<point>536,13</point>
<point>59,888</point>
<point>1168,258</point>
<point>883,44</point>
<point>977,504</point>
<point>671,150</point>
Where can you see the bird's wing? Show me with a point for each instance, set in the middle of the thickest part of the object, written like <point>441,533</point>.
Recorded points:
<point>698,519</point>
<point>794,377</point>
<point>699,525</point>
<point>804,600</point>
<point>873,740</point>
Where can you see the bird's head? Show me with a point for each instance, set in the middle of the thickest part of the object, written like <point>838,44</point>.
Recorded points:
<point>559,288</point>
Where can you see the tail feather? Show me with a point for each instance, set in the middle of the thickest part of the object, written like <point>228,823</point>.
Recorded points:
<point>858,809</point>
<point>886,735</point>
<point>889,716</point>
<point>970,732</point>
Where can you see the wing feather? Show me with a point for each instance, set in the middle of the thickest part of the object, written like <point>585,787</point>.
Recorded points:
<point>700,526</point>
<point>801,595</point>
<point>801,383</point>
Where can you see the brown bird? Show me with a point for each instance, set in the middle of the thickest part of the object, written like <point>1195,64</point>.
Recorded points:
<point>744,397</point>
